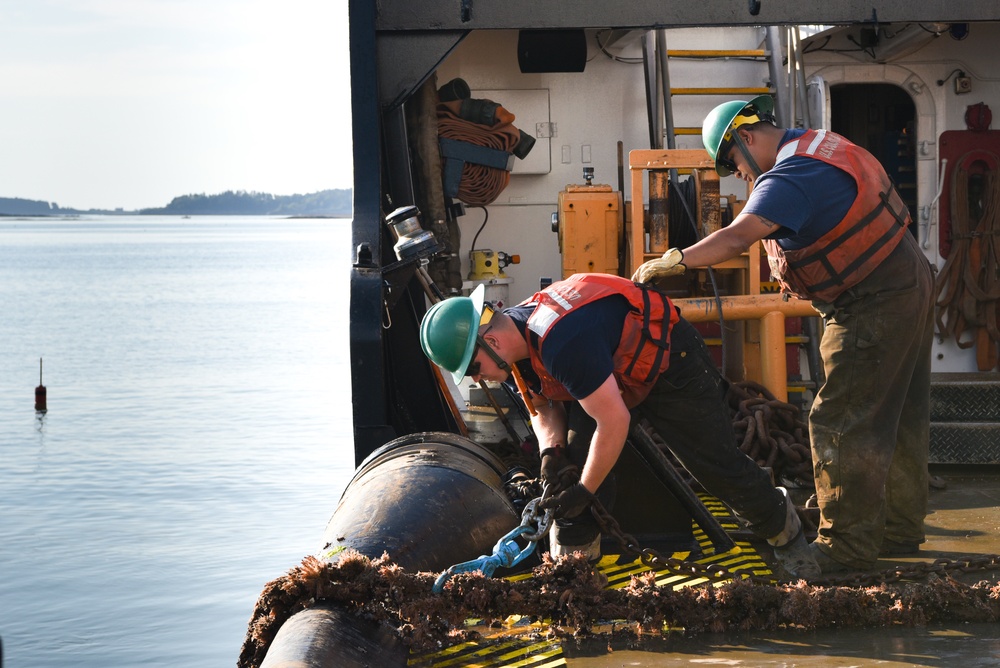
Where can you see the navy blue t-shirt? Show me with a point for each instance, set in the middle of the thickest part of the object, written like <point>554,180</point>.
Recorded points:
<point>579,349</point>
<point>806,196</point>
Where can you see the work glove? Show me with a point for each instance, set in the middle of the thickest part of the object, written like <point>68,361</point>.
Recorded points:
<point>671,264</point>
<point>558,472</point>
<point>568,503</point>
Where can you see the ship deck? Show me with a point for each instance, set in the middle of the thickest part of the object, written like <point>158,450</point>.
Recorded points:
<point>963,523</point>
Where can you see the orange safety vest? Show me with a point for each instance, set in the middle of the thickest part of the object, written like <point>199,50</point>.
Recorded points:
<point>643,351</point>
<point>846,254</point>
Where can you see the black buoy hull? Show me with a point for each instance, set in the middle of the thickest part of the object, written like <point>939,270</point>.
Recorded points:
<point>329,636</point>
<point>429,500</point>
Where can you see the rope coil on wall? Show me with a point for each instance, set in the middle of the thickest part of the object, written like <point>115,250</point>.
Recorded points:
<point>968,286</point>
<point>477,177</point>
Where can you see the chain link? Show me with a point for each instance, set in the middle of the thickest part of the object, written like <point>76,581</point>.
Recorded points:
<point>653,560</point>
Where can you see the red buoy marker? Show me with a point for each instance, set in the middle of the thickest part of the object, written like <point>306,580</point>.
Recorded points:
<point>40,404</point>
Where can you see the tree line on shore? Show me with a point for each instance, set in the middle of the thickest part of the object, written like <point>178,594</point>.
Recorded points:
<point>333,203</point>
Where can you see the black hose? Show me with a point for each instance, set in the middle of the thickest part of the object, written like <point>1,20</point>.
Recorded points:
<point>684,197</point>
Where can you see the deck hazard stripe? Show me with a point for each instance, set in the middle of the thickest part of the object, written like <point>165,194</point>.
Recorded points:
<point>515,653</point>
<point>518,652</point>
<point>744,559</point>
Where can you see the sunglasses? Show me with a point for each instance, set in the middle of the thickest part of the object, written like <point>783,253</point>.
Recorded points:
<point>484,320</point>
<point>725,162</point>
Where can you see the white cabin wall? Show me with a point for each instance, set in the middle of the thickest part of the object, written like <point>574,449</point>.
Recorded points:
<point>606,103</point>
<point>596,108</point>
<point>586,109</point>
<point>939,108</point>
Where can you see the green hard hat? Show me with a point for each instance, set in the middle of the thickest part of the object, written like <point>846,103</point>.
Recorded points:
<point>721,120</point>
<point>449,329</point>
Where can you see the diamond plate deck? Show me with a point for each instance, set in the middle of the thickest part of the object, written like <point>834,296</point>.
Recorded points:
<point>965,443</point>
<point>965,418</point>
<point>965,397</point>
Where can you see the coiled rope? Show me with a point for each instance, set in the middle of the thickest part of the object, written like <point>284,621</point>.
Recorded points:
<point>480,185</point>
<point>968,286</point>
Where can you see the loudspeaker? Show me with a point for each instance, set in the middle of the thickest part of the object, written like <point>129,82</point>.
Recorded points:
<point>540,51</point>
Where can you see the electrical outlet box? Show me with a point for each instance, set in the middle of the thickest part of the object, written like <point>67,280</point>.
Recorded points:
<point>963,85</point>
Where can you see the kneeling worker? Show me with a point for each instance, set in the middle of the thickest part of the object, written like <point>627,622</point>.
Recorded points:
<point>592,348</point>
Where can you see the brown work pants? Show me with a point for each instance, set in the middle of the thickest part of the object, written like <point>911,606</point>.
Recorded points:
<point>870,422</point>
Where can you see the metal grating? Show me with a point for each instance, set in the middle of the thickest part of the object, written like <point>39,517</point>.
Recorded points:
<point>972,401</point>
<point>965,443</point>
<point>523,652</point>
<point>965,418</point>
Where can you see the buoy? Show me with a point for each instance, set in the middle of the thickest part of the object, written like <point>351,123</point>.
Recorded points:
<point>40,404</point>
<point>430,500</point>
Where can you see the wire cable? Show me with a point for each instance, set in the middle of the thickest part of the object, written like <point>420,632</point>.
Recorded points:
<point>711,273</point>
<point>486,218</point>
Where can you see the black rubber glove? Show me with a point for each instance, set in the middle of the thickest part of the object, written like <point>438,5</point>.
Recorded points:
<point>557,471</point>
<point>568,503</point>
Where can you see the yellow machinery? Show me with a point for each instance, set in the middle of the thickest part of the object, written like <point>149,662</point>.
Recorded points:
<point>485,264</point>
<point>592,238</point>
<point>487,268</point>
<point>589,223</point>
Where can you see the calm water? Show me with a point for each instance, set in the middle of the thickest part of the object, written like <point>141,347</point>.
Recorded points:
<point>198,432</point>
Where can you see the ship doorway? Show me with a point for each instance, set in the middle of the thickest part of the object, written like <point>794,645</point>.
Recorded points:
<point>882,119</point>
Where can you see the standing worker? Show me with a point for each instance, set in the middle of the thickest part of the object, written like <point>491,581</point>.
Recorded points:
<point>835,230</point>
<point>588,350</point>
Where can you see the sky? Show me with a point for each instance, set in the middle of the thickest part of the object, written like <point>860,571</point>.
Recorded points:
<point>130,103</point>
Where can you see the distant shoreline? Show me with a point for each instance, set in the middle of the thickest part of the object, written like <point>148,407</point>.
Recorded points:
<point>335,203</point>
<point>336,216</point>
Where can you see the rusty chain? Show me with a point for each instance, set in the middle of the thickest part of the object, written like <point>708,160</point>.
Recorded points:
<point>653,560</point>
<point>771,432</point>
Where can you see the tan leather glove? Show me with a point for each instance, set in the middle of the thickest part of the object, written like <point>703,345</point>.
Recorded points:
<point>671,264</point>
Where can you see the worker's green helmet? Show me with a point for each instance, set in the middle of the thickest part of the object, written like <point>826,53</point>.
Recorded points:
<point>449,329</point>
<point>716,131</point>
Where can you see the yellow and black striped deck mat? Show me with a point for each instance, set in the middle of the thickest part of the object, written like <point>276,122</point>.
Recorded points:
<point>517,644</point>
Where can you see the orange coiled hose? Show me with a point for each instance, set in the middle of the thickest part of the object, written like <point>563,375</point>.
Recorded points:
<point>480,185</point>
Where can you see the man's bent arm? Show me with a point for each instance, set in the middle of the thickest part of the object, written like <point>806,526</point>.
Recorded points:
<point>608,409</point>
<point>549,424</point>
<point>728,242</point>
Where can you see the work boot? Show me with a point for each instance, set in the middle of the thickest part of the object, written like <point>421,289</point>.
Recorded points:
<point>790,547</point>
<point>592,549</point>
<point>827,564</point>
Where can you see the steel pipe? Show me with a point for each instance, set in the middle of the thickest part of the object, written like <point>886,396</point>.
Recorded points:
<point>771,310</point>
